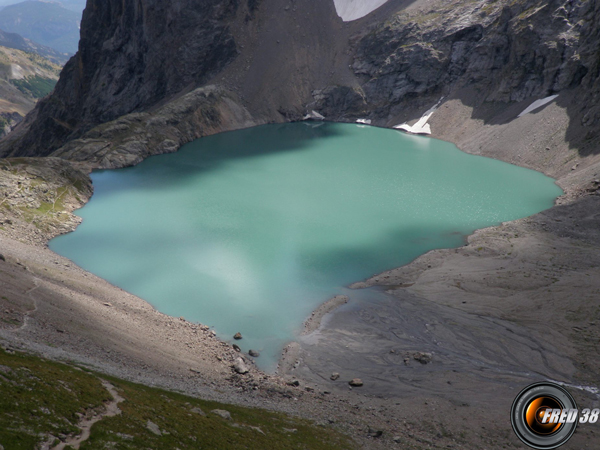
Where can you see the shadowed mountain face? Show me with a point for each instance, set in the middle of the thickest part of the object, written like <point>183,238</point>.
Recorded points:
<point>132,55</point>
<point>282,59</point>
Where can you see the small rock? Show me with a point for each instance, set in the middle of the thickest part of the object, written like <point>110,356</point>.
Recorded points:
<point>397,439</point>
<point>222,413</point>
<point>423,358</point>
<point>334,376</point>
<point>237,336</point>
<point>290,430</point>
<point>153,428</point>
<point>253,353</point>
<point>198,411</point>
<point>126,437</point>
<point>256,429</point>
<point>295,383</point>
<point>2,258</point>
<point>375,433</point>
<point>355,382</point>
<point>240,367</point>
<point>107,304</point>
<point>236,348</point>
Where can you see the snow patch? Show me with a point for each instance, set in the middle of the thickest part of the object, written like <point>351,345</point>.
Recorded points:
<point>313,115</point>
<point>350,10</point>
<point>421,127</point>
<point>537,104</point>
<point>364,121</point>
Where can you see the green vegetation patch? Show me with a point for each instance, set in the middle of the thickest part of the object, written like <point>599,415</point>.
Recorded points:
<point>35,86</point>
<point>42,399</point>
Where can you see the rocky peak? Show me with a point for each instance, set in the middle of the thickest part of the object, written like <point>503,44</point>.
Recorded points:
<point>132,55</point>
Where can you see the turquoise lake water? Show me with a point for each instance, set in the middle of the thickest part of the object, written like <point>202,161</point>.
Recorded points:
<point>250,230</point>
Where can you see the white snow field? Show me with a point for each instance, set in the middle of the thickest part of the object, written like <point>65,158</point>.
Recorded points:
<point>537,104</point>
<point>350,10</point>
<point>421,127</point>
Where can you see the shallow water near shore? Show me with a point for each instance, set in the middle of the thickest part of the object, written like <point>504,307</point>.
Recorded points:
<point>251,230</point>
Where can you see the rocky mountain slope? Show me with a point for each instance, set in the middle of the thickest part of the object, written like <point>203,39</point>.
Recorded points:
<point>389,66</point>
<point>485,53</point>
<point>45,22</point>
<point>24,78</point>
<point>13,40</point>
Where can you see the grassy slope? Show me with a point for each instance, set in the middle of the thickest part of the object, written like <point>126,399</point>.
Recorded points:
<point>40,400</point>
<point>36,86</point>
<point>38,76</point>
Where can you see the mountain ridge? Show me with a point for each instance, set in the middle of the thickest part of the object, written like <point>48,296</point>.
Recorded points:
<point>45,22</point>
<point>18,42</point>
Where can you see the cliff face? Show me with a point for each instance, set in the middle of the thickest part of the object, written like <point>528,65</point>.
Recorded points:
<point>280,58</point>
<point>503,51</point>
<point>137,56</point>
<point>131,56</point>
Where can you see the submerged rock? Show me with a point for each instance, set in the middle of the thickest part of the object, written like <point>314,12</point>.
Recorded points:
<point>237,336</point>
<point>253,353</point>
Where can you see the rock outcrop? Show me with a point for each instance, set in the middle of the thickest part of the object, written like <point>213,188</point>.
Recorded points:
<point>138,57</point>
<point>132,55</point>
<point>502,51</point>
<point>8,120</point>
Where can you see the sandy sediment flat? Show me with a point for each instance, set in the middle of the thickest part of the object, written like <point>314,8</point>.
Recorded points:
<point>314,321</point>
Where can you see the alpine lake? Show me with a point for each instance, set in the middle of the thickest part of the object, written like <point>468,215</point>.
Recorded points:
<point>249,231</point>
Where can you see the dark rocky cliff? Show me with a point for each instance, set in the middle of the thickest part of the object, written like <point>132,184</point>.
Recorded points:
<point>504,51</point>
<point>280,58</point>
<point>137,57</point>
<point>131,56</point>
